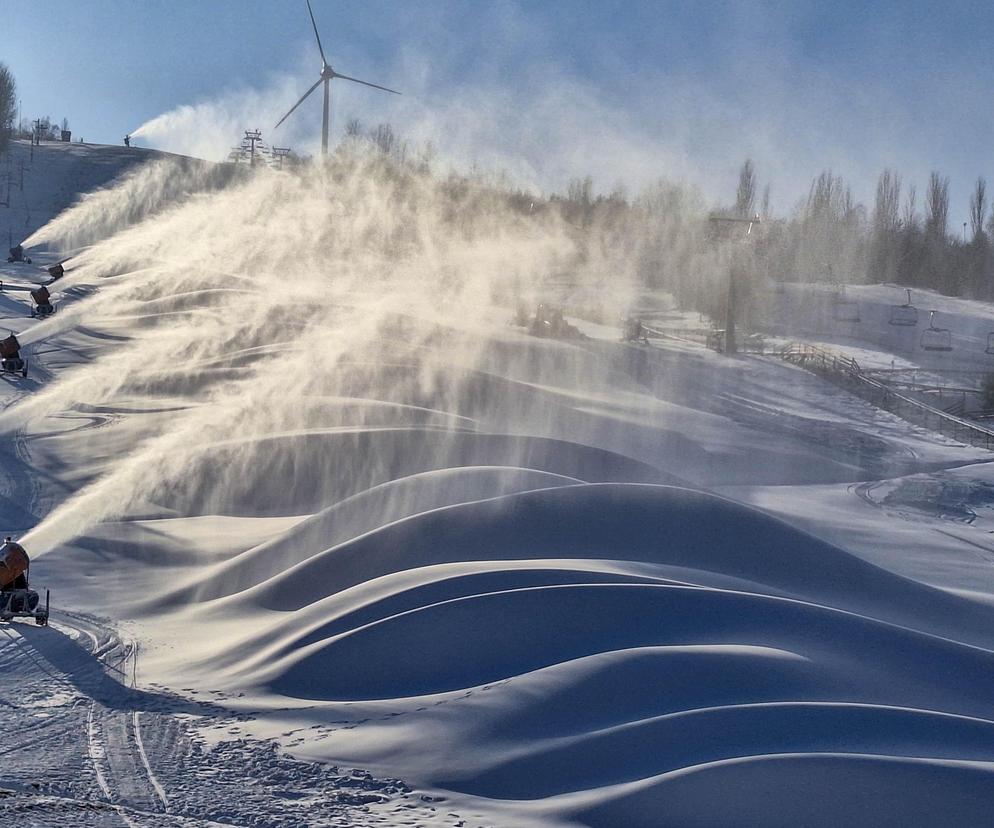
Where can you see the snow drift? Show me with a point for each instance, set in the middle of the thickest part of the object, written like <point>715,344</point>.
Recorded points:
<point>288,420</point>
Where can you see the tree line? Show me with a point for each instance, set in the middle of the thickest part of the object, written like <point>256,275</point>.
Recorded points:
<point>903,239</point>
<point>8,106</point>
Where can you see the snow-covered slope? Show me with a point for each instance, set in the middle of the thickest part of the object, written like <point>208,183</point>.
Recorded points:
<point>281,437</point>
<point>49,178</point>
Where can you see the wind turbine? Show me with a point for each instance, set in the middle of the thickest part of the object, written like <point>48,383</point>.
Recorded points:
<point>327,74</point>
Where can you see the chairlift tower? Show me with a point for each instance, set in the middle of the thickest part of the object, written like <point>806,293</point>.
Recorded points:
<point>279,153</point>
<point>731,306</point>
<point>252,137</point>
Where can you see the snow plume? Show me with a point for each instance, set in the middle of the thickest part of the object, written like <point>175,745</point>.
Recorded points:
<point>359,297</point>
<point>209,129</point>
<point>141,193</point>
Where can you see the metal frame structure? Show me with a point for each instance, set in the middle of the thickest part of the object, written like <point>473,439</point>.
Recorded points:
<point>19,598</point>
<point>15,366</point>
<point>905,315</point>
<point>934,338</point>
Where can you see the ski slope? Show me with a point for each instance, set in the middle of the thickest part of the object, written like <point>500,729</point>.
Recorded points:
<point>332,543</point>
<point>50,178</point>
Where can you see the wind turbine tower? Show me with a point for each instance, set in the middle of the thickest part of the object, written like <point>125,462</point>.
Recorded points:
<point>327,75</point>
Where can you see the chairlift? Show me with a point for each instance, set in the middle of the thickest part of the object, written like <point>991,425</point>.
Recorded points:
<point>905,315</point>
<point>936,339</point>
<point>844,309</point>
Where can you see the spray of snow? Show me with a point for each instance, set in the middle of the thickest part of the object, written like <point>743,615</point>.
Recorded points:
<point>377,274</point>
<point>209,129</point>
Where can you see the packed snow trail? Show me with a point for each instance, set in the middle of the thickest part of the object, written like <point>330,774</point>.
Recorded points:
<point>83,748</point>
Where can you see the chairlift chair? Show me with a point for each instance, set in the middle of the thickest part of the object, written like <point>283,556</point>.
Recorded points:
<point>905,315</point>
<point>934,338</point>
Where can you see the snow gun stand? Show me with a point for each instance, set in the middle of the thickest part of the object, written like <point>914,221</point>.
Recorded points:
<point>23,603</point>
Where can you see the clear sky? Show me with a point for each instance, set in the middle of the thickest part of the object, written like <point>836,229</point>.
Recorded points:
<point>625,91</point>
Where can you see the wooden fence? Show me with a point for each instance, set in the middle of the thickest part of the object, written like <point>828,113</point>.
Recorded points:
<point>845,371</point>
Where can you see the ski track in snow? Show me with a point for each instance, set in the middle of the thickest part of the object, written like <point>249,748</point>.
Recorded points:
<point>160,792</point>
<point>110,776</point>
<point>392,562</point>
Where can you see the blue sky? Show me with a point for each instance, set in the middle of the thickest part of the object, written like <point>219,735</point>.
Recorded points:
<point>625,91</point>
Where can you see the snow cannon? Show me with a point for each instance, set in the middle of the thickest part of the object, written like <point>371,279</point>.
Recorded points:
<point>43,303</point>
<point>10,347</point>
<point>10,357</point>
<point>14,564</point>
<point>17,255</point>
<point>632,331</point>
<point>550,323</point>
<point>17,599</point>
<point>56,271</point>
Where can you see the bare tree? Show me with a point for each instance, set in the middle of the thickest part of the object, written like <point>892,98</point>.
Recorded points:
<point>885,241</point>
<point>384,138</point>
<point>823,197</point>
<point>765,208</point>
<point>8,105</point>
<point>745,194</point>
<point>580,191</point>
<point>978,208</point>
<point>886,213</point>
<point>937,206</point>
<point>580,200</point>
<point>910,218</point>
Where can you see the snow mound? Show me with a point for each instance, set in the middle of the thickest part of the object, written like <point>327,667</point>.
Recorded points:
<point>286,436</point>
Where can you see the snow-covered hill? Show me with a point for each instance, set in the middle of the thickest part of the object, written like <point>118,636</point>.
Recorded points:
<point>295,482</point>
<point>49,178</point>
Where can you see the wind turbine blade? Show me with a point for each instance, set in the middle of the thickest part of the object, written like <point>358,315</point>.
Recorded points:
<point>308,92</point>
<point>315,25</point>
<point>367,83</point>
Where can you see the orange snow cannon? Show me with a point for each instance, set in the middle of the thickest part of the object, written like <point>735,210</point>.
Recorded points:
<point>17,599</point>
<point>43,303</point>
<point>10,348</point>
<point>11,361</point>
<point>13,563</point>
